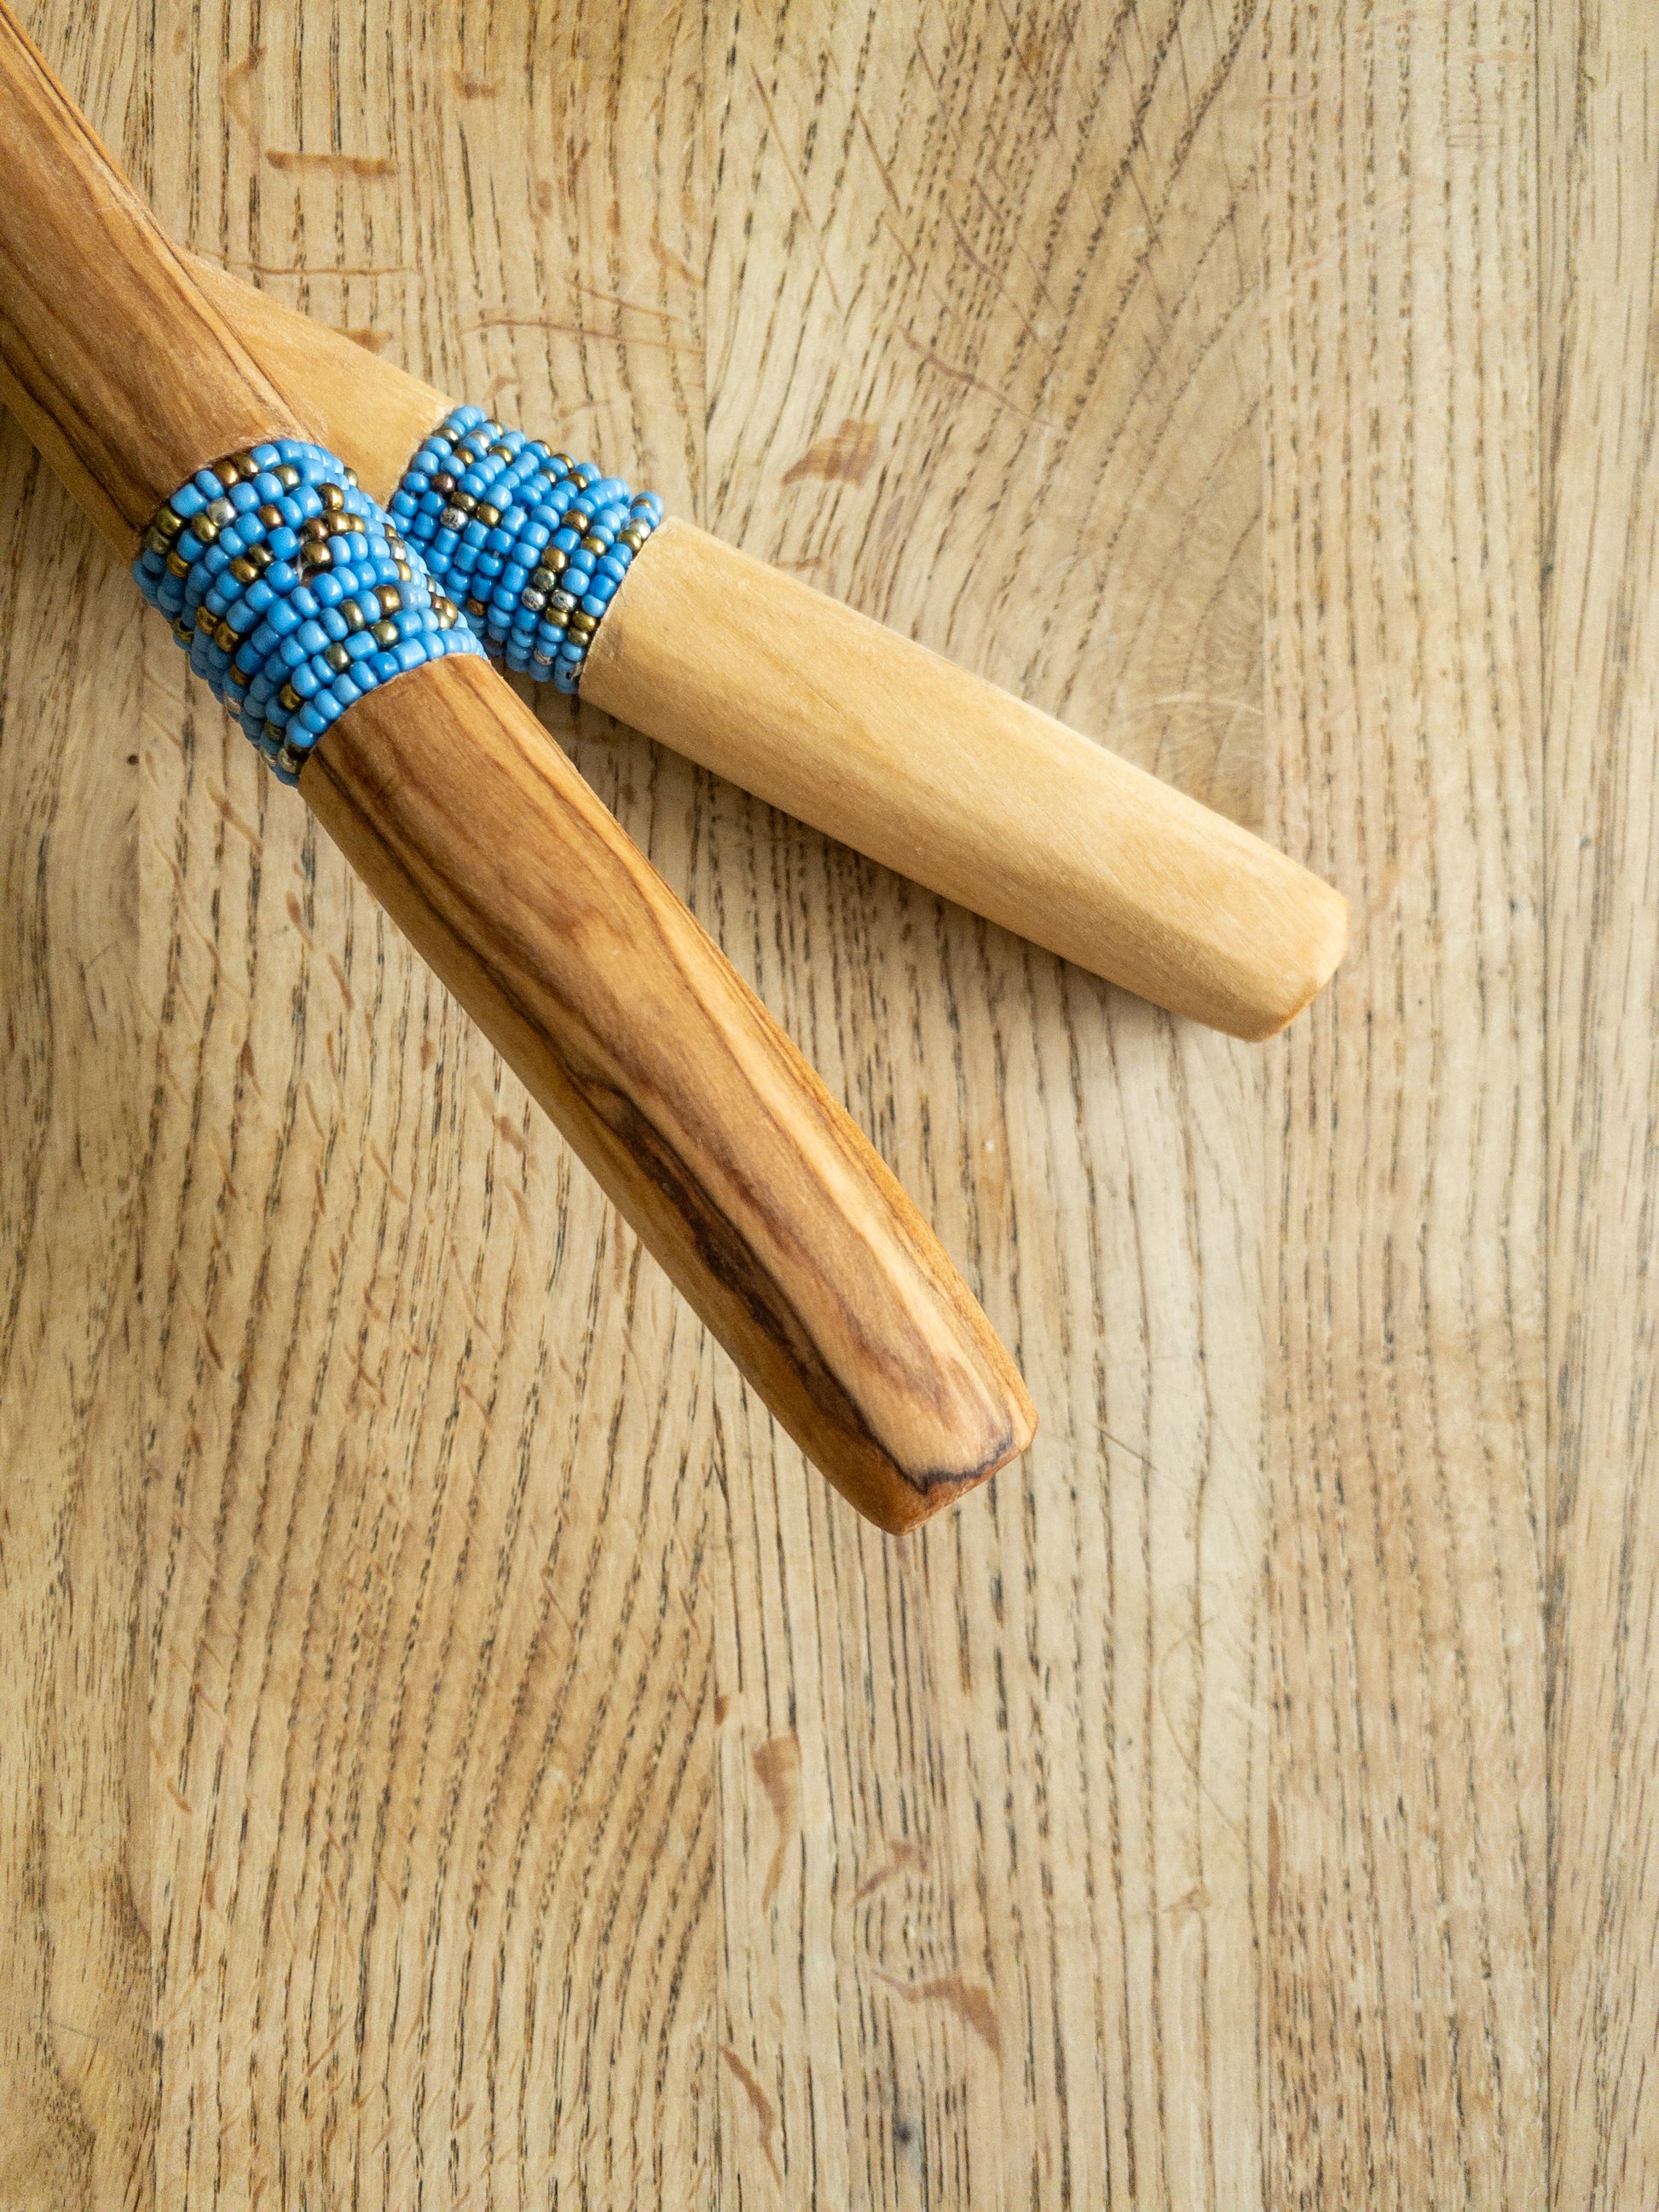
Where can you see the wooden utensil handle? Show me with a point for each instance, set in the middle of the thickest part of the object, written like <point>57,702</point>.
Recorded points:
<point>765,1204</point>
<point>866,735</point>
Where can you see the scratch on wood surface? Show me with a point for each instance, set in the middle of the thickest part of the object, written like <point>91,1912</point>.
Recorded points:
<point>901,1858</point>
<point>844,457</point>
<point>759,2103</point>
<point>971,2001</point>
<point>238,79</point>
<point>338,165</point>
<point>777,1765</point>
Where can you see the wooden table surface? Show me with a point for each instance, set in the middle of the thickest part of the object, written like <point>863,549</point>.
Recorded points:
<point>453,1753</point>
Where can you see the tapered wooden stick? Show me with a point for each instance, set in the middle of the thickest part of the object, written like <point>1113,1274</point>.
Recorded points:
<point>767,1207</point>
<point>864,733</point>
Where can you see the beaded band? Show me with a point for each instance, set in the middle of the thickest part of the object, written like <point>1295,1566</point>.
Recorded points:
<point>530,545</point>
<point>293,592</point>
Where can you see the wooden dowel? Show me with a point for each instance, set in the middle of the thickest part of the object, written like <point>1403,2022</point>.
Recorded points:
<point>942,776</point>
<point>866,735</point>
<point>766,1205</point>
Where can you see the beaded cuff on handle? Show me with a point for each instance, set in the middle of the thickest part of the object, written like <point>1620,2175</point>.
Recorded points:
<point>529,543</point>
<point>293,592</point>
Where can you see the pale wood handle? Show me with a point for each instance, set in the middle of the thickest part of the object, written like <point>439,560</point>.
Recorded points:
<point>766,1205</point>
<point>939,774</point>
<point>866,735</point>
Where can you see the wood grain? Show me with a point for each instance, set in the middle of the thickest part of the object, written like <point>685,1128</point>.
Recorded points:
<point>1599,108</point>
<point>554,1799</point>
<point>1408,2022</point>
<point>991,1811</point>
<point>75,2102</point>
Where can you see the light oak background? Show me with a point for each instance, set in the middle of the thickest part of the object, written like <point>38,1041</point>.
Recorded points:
<point>454,1753</point>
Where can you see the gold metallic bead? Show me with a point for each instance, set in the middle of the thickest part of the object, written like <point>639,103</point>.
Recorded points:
<point>445,609</point>
<point>385,633</point>
<point>155,542</point>
<point>503,452</point>
<point>288,476</point>
<point>204,528</point>
<point>576,518</point>
<point>261,556</point>
<point>350,476</point>
<point>632,537</point>
<point>238,676</point>
<point>584,625</point>
<point>561,462</point>
<point>271,515</point>
<point>315,528</point>
<point>177,565</point>
<point>489,516</point>
<point>184,632</point>
<point>289,697</point>
<point>203,619</point>
<point>390,597</point>
<point>228,473</point>
<point>404,571</point>
<point>169,523</point>
<point>333,497</point>
<point>243,569</point>
<point>477,609</point>
<point>596,544</point>
<point>337,658</point>
<point>225,637</point>
<point>352,614</point>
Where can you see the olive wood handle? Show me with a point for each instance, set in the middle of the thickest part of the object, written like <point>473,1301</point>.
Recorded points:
<point>765,1204</point>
